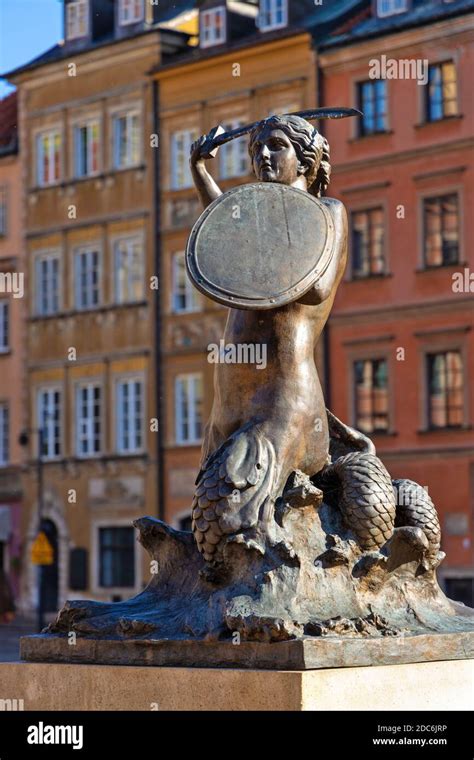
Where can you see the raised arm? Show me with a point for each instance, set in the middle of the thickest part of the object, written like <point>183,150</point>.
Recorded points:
<point>206,187</point>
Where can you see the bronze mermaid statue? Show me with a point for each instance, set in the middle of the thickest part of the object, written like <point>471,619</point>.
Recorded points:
<point>298,530</point>
<point>267,424</point>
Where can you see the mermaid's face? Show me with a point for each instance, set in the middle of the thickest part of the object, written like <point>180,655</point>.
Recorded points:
<point>274,158</point>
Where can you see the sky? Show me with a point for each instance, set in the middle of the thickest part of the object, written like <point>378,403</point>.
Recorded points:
<point>27,28</point>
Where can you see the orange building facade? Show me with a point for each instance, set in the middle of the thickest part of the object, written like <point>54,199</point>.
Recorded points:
<point>401,337</point>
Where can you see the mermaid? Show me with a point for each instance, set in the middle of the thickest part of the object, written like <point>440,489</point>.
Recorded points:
<point>267,424</point>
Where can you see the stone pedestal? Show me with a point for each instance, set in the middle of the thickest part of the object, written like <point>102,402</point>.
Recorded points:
<point>443,685</point>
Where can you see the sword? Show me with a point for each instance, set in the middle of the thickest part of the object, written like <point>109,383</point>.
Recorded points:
<point>218,136</point>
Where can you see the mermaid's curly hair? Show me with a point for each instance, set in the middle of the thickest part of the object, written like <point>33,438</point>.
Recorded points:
<point>310,146</point>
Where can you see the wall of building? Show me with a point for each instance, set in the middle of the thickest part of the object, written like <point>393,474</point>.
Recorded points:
<point>101,343</point>
<point>409,307</point>
<point>12,391</point>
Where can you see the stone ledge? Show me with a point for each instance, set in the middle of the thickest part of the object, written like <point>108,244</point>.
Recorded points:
<point>296,654</point>
<point>56,686</point>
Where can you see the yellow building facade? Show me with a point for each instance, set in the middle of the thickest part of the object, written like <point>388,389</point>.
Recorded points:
<point>87,130</point>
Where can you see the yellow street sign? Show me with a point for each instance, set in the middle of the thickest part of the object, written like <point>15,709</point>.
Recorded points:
<point>42,552</point>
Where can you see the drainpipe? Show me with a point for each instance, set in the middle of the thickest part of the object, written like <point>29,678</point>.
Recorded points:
<point>320,103</point>
<point>159,385</point>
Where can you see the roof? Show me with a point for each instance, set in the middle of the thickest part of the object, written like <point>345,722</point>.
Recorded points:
<point>317,23</point>
<point>58,52</point>
<point>9,124</point>
<point>421,13</point>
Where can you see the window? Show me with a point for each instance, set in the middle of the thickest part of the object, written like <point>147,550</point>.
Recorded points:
<point>131,11</point>
<point>390,7</point>
<point>48,155</point>
<point>188,408</point>
<point>87,264</point>
<point>47,284</point>
<point>76,19</point>
<point>180,149</point>
<point>212,27</point>
<point>126,149</point>
<point>441,230</point>
<point>3,210</point>
<point>4,434</point>
<point>86,145</point>
<point>441,91</point>
<point>233,156</point>
<point>372,98</point>
<point>367,243</point>
<point>371,395</point>
<point>129,416</point>
<point>88,419</point>
<point>129,270</point>
<point>273,14</point>
<point>445,389</point>
<point>4,325</point>
<point>117,557</point>
<point>49,420</point>
<point>185,297</point>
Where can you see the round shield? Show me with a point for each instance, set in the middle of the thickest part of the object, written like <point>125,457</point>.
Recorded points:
<point>260,246</point>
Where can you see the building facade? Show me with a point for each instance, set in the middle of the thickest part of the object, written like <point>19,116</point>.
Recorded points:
<point>88,144</point>
<point>401,331</point>
<point>116,343</point>
<point>12,345</point>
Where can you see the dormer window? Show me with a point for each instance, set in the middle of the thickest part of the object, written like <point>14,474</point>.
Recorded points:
<point>77,19</point>
<point>212,23</point>
<point>391,7</point>
<point>273,14</point>
<point>131,11</point>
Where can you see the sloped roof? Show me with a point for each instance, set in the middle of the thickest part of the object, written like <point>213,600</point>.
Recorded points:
<point>422,12</point>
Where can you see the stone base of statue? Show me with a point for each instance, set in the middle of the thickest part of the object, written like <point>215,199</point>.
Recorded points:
<point>314,600</point>
<point>427,686</point>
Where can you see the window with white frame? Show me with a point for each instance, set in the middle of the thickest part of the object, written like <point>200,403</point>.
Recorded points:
<point>86,278</point>
<point>49,421</point>
<point>233,156</point>
<point>76,19</point>
<point>4,325</point>
<point>273,14</point>
<point>180,149</point>
<point>129,269</point>
<point>185,297</point>
<point>3,209</point>
<point>48,157</point>
<point>391,7</point>
<point>88,419</point>
<point>86,148</point>
<point>126,139</point>
<point>4,434</point>
<point>47,284</point>
<point>188,408</point>
<point>212,27</point>
<point>129,415</point>
<point>131,11</point>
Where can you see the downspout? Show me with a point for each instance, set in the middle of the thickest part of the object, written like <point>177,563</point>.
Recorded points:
<point>320,103</point>
<point>157,305</point>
